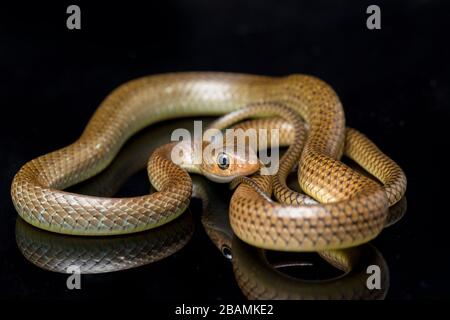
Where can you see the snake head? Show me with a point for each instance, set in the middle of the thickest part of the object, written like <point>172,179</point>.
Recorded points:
<point>224,164</point>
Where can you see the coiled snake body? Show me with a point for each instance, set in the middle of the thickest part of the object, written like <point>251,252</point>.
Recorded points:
<point>354,209</point>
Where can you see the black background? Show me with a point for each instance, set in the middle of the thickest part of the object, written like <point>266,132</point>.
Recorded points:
<point>393,83</point>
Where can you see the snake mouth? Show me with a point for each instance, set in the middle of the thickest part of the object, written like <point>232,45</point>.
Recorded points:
<point>228,175</point>
<point>220,179</point>
<point>227,178</point>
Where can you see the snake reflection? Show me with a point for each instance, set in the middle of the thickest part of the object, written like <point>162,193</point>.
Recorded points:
<point>257,277</point>
<point>260,278</point>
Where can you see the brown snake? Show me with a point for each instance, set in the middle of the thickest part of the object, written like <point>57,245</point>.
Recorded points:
<point>259,276</point>
<point>355,206</point>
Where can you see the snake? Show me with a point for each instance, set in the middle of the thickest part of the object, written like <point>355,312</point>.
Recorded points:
<point>262,277</point>
<point>290,209</point>
<point>352,208</point>
<point>256,276</point>
<point>57,252</point>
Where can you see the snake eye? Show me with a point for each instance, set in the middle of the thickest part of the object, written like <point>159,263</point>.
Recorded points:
<point>223,161</point>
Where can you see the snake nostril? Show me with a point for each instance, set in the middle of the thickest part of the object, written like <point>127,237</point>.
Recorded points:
<point>226,251</point>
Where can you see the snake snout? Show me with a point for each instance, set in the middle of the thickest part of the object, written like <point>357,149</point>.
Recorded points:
<point>229,164</point>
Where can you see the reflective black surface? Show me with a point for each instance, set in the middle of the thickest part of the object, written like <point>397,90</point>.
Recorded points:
<point>259,274</point>
<point>393,82</point>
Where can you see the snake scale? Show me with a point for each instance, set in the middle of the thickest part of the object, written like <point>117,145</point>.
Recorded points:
<point>354,208</point>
